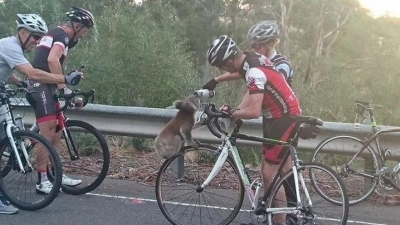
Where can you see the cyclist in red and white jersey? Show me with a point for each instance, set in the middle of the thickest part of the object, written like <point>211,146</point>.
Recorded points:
<point>266,89</point>
<point>263,37</point>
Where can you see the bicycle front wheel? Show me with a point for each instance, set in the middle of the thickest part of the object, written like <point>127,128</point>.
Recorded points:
<point>314,207</point>
<point>18,185</point>
<point>184,202</point>
<point>359,176</point>
<point>85,157</point>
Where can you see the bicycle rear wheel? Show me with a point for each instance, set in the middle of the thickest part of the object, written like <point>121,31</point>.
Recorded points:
<point>92,156</point>
<point>315,209</point>
<point>19,187</point>
<point>359,176</point>
<point>184,202</point>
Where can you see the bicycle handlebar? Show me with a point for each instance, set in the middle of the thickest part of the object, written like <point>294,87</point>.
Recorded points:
<point>213,115</point>
<point>88,96</point>
<point>212,119</point>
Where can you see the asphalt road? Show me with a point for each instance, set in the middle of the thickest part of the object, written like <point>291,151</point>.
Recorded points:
<point>124,202</point>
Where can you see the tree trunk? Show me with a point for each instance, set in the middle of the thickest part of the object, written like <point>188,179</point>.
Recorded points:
<point>285,17</point>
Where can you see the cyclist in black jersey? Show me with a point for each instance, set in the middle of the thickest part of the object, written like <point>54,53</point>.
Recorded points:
<point>49,56</point>
<point>263,37</point>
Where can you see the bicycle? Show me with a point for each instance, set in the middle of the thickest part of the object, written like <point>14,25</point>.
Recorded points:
<point>207,185</point>
<point>84,154</point>
<point>18,163</point>
<point>366,164</point>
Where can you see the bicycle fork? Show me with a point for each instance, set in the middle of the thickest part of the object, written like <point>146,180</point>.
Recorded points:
<point>16,152</point>
<point>218,165</point>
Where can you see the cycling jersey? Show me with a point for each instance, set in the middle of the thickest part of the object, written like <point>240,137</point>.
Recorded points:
<point>42,95</point>
<point>57,36</point>
<point>282,64</point>
<point>261,77</point>
<point>279,102</point>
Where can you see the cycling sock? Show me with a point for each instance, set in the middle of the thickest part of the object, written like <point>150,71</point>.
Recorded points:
<point>42,176</point>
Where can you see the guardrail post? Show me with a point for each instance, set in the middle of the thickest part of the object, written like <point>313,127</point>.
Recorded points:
<point>178,165</point>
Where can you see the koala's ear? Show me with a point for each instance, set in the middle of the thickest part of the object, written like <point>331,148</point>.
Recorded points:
<point>178,104</point>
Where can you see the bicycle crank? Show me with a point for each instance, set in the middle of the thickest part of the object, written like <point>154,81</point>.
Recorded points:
<point>387,179</point>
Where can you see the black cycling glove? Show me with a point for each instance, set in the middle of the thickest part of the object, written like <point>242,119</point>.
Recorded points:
<point>210,85</point>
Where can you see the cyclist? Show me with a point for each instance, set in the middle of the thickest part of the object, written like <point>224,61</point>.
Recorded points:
<point>263,37</point>
<point>49,56</point>
<point>266,89</point>
<point>30,29</point>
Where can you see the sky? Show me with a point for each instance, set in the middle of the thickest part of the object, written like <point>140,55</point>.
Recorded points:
<point>381,7</point>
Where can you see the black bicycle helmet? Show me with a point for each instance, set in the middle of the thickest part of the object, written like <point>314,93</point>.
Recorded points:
<point>221,50</point>
<point>81,15</point>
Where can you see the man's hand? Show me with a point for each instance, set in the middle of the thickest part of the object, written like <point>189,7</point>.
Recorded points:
<point>22,84</point>
<point>210,85</point>
<point>73,77</point>
<point>226,110</point>
<point>66,91</point>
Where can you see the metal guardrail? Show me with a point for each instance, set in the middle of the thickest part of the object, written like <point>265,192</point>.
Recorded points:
<point>148,122</point>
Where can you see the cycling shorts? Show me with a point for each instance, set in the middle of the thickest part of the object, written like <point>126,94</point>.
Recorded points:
<point>41,98</point>
<point>282,129</point>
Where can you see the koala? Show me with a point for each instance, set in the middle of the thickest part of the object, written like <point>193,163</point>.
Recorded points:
<point>168,141</point>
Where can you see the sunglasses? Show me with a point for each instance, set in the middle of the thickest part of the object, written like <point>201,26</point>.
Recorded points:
<point>36,36</point>
<point>256,46</point>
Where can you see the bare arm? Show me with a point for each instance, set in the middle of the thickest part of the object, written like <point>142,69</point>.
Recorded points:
<point>54,61</point>
<point>40,75</point>
<point>245,100</point>
<point>250,106</point>
<point>228,77</point>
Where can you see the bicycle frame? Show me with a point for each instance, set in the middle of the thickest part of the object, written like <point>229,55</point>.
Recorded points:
<point>7,116</point>
<point>228,146</point>
<point>61,120</point>
<point>383,173</point>
<point>375,138</point>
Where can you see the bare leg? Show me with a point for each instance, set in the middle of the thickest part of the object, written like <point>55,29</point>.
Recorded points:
<point>268,171</point>
<point>48,131</point>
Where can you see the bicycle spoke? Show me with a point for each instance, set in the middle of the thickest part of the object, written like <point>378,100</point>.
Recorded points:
<point>20,187</point>
<point>213,204</point>
<point>359,176</point>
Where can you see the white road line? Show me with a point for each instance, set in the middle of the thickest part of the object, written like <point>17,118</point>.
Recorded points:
<point>175,203</point>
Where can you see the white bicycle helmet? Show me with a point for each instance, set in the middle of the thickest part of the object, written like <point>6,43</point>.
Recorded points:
<point>32,22</point>
<point>221,50</point>
<point>263,31</point>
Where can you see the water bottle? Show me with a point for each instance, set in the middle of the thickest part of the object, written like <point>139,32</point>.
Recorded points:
<point>19,122</point>
<point>204,93</point>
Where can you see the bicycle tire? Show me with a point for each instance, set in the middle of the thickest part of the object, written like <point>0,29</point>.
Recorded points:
<point>223,186</point>
<point>312,213</point>
<point>18,187</point>
<point>358,187</point>
<point>92,147</point>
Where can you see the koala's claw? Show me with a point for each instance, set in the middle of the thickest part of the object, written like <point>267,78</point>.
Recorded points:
<point>195,145</point>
